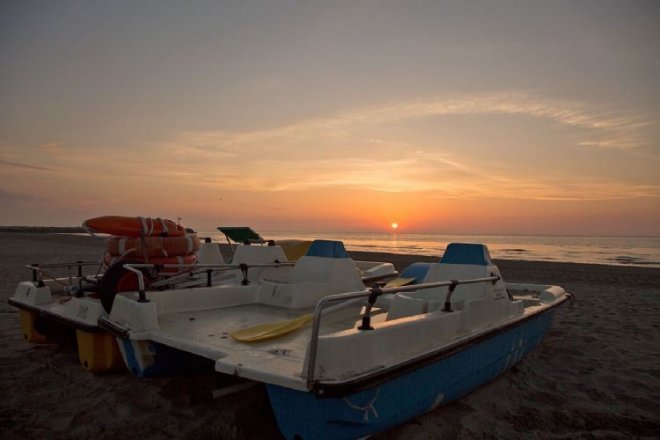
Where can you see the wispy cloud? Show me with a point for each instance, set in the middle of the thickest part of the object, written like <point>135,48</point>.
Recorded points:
<point>374,148</point>
<point>601,127</point>
<point>10,164</point>
<point>350,150</point>
<point>53,148</point>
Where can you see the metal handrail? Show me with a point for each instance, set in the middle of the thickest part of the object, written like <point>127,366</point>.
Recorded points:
<point>133,267</point>
<point>204,266</point>
<point>36,266</point>
<point>373,293</point>
<point>38,270</point>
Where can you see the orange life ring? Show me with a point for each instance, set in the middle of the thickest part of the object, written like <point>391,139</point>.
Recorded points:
<point>109,260</point>
<point>152,246</point>
<point>134,226</point>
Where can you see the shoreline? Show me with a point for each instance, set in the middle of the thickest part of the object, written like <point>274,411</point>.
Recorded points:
<point>367,255</point>
<point>42,229</point>
<point>595,375</point>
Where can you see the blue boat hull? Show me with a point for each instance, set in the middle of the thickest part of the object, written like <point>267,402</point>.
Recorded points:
<point>303,415</point>
<point>151,359</point>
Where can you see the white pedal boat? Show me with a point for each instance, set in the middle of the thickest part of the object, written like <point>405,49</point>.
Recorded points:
<point>354,371</point>
<point>51,306</point>
<point>325,270</point>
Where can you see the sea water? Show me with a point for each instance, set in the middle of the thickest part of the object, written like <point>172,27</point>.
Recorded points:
<point>629,251</point>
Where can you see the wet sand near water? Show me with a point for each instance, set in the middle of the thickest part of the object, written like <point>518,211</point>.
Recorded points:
<point>595,375</point>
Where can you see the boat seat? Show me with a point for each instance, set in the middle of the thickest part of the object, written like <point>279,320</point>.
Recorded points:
<point>327,249</point>
<point>314,277</point>
<point>258,255</point>
<point>461,261</point>
<point>433,299</point>
<point>473,254</point>
<point>416,271</point>
<point>251,255</point>
<point>294,249</point>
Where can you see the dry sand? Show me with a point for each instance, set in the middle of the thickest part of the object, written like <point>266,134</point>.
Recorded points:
<point>596,374</point>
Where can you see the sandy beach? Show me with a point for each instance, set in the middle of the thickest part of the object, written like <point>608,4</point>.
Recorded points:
<point>596,374</point>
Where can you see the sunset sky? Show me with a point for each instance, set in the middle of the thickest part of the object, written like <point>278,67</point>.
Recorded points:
<point>530,117</point>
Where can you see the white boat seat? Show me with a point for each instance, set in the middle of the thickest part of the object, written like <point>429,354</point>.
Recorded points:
<point>255,254</point>
<point>431,300</point>
<point>258,255</point>
<point>311,279</point>
<point>461,261</point>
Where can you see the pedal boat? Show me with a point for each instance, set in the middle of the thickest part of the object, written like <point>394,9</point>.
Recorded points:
<point>53,307</point>
<point>372,358</point>
<point>325,269</point>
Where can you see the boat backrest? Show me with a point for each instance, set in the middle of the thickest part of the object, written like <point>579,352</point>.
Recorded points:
<point>311,279</point>
<point>246,254</point>
<point>294,249</point>
<point>446,272</point>
<point>474,254</point>
<point>209,253</point>
<point>327,248</point>
<point>462,261</point>
<point>251,255</point>
<point>325,270</point>
<point>416,271</point>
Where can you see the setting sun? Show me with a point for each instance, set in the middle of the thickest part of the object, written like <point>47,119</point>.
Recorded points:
<point>394,225</point>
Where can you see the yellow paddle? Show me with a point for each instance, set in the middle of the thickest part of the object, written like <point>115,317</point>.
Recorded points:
<point>263,332</point>
<point>399,282</point>
<point>271,330</point>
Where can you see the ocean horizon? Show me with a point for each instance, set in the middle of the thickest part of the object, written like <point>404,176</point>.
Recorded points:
<point>616,250</point>
<point>608,250</point>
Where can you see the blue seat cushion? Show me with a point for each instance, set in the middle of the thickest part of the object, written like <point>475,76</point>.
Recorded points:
<point>466,253</point>
<point>327,249</point>
<point>417,271</point>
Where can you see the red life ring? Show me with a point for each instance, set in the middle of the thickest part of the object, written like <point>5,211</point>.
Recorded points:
<point>134,226</point>
<point>141,247</point>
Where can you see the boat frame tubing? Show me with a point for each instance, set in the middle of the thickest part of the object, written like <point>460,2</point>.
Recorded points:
<point>134,267</point>
<point>38,269</point>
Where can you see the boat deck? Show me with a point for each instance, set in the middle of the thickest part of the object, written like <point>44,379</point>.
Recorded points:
<point>207,333</point>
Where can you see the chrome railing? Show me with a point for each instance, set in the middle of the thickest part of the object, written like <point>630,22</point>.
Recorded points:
<point>39,270</point>
<point>209,269</point>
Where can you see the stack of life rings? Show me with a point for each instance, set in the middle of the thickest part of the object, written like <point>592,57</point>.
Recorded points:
<point>145,240</point>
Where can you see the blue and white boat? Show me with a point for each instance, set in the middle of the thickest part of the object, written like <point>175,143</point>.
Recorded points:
<point>372,358</point>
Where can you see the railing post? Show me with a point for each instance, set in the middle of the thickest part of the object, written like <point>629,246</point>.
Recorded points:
<point>142,296</point>
<point>79,293</point>
<point>35,270</point>
<point>376,291</point>
<point>244,269</point>
<point>452,286</point>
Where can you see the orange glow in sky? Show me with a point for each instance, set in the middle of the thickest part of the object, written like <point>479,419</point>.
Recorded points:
<point>335,117</point>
